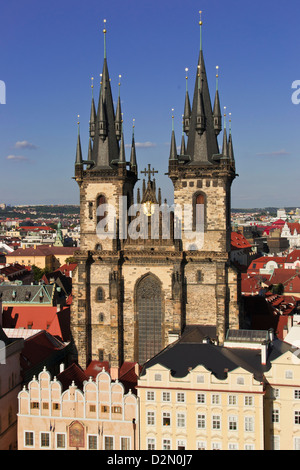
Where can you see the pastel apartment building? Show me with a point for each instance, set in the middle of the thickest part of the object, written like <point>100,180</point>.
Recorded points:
<point>241,396</point>
<point>96,415</point>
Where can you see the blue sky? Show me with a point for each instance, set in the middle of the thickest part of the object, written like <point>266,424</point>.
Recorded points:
<point>50,50</point>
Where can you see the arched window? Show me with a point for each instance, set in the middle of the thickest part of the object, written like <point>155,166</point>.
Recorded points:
<point>100,200</point>
<point>199,210</point>
<point>100,294</point>
<point>149,304</point>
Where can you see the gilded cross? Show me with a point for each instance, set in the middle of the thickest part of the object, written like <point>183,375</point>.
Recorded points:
<point>149,172</point>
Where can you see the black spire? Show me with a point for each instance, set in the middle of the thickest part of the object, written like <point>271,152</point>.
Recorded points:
<point>173,149</point>
<point>217,109</point>
<point>202,142</point>
<point>225,142</point>
<point>93,116</point>
<point>133,163</point>
<point>118,120</point>
<point>78,160</point>
<point>106,147</point>
<point>187,108</point>
<point>230,145</point>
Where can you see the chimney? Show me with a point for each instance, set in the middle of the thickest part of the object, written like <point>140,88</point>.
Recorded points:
<point>61,367</point>
<point>264,353</point>
<point>271,334</point>
<point>114,373</point>
<point>137,369</point>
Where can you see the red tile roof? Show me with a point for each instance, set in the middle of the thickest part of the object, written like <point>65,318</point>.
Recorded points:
<point>67,268</point>
<point>73,373</point>
<point>39,318</point>
<point>259,263</point>
<point>44,250</point>
<point>39,348</point>
<point>294,226</point>
<point>238,241</point>
<point>293,256</point>
<point>127,372</point>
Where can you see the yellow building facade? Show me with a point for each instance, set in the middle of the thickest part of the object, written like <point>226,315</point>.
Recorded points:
<point>244,395</point>
<point>199,411</point>
<point>282,403</point>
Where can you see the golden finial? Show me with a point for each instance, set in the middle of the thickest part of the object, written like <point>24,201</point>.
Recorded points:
<point>100,78</point>
<point>104,31</point>
<point>200,22</point>
<point>78,116</point>
<point>92,83</point>
<point>217,77</point>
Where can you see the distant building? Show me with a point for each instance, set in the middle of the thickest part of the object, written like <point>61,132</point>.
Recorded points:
<point>291,231</point>
<point>42,256</point>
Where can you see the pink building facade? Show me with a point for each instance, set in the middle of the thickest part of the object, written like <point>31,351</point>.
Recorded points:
<point>10,386</point>
<point>101,416</point>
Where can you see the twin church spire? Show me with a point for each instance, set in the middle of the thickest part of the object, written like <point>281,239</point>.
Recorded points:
<point>201,123</point>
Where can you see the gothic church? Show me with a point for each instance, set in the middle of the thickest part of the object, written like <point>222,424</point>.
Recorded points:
<point>133,295</point>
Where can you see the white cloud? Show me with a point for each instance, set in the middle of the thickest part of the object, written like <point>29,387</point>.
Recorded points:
<point>278,153</point>
<point>143,145</point>
<point>24,144</point>
<point>17,158</point>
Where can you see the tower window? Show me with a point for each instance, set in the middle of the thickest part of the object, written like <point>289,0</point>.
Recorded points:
<point>101,354</point>
<point>100,294</point>
<point>90,210</point>
<point>198,209</point>
<point>101,317</point>
<point>199,276</point>
<point>100,201</point>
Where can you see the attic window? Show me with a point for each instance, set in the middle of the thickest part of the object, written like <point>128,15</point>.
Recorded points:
<point>30,325</point>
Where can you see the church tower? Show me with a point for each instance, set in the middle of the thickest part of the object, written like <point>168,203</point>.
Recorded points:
<point>103,178</point>
<point>202,178</point>
<point>146,270</point>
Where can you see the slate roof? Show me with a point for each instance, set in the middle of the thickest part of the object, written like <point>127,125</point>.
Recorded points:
<point>29,294</point>
<point>187,353</point>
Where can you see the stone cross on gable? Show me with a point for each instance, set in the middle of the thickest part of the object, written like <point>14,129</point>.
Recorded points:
<point>149,172</point>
